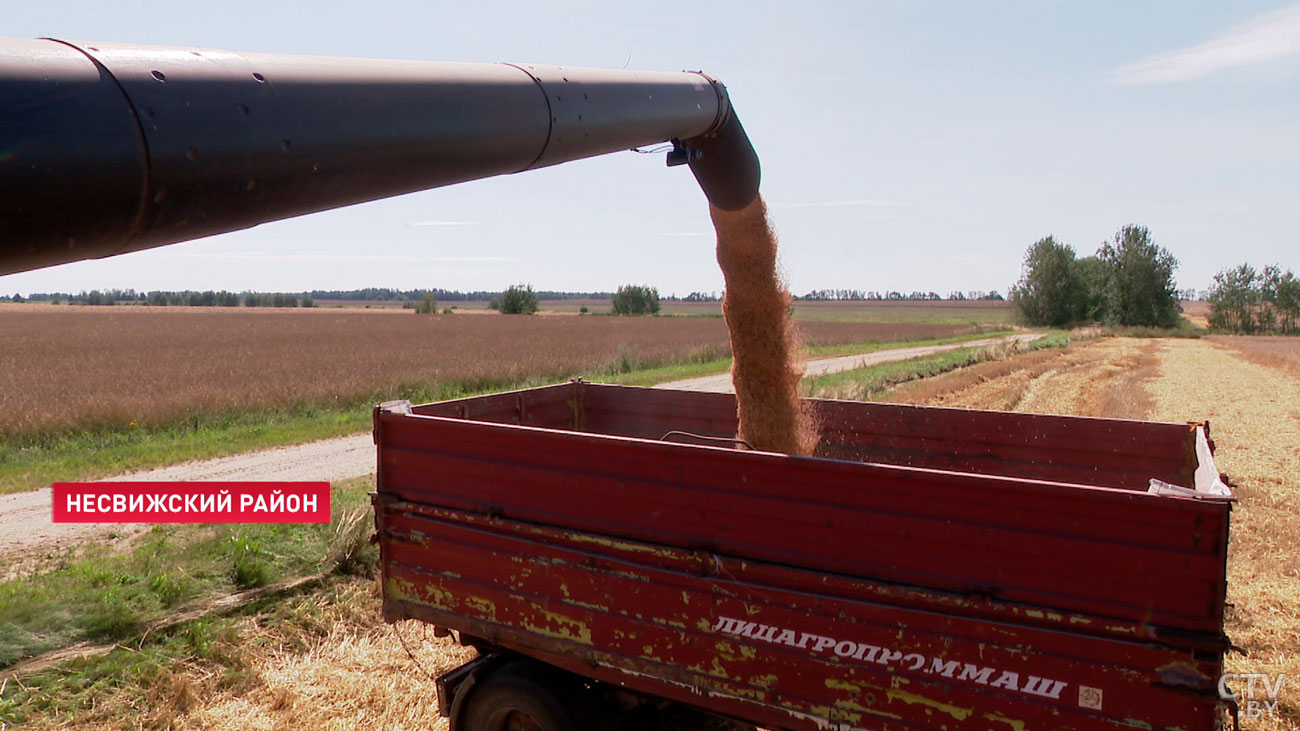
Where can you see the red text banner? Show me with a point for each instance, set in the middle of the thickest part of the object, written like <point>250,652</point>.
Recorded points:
<point>191,502</point>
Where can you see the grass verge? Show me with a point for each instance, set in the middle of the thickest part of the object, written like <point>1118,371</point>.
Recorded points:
<point>95,597</point>
<point>1184,329</point>
<point>709,362</point>
<point>866,383</point>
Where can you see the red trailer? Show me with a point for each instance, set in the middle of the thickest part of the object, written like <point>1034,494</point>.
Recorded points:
<point>621,561</point>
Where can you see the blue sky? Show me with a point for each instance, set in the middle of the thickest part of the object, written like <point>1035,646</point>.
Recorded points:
<point>905,145</point>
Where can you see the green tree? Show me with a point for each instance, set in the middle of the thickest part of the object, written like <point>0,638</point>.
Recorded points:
<point>635,299</point>
<point>428,305</point>
<point>1050,291</point>
<point>1094,275</point>
<point>1281,290</point>
<point>1234,296</point>
<point>1249,301</point>
<point>517,300</point>
<point>1287,291</point>
<point>1140,290</point>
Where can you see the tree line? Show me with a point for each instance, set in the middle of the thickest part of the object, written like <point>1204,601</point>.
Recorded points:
<point>157,298</point>
<point>847,295</point>
<point>1129,281</point>
<point>389,294</point>
<point>1249,301</point>
<point>221,298</point>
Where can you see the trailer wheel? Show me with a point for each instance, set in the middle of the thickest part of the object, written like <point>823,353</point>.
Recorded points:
<point>527,696</point>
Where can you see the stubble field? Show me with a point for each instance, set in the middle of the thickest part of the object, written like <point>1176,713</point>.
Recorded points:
<point>1249,391</point>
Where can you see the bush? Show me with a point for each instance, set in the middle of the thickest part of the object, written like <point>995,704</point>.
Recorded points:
<point>635,299</point>
<point>518,300</point>
<point>428,305</point>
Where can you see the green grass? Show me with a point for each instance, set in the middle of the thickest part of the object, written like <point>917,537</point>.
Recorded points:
<point>31,461</point>
<point>830,351</point>
<point>151,680</point>
<point>97,597</point>
<point>28,462</point>
<point>709,364</point>
<point>1184,329</point>
<point>872,381</point>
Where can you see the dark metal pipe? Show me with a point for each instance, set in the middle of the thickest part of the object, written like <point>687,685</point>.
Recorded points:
<point>108,148</point>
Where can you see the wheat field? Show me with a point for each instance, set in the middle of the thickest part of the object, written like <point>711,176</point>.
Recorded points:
<point>76,367</point>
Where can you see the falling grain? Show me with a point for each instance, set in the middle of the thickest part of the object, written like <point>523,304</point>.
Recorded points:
<point>763,344</point>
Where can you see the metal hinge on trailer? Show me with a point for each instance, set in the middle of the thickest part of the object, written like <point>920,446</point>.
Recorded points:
<point>454,685</point>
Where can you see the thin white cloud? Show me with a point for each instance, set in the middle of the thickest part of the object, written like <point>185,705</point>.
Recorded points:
<point>1264,39</point>
<point>325,257</point>
<point>866,203</point>
<point>443,223</point>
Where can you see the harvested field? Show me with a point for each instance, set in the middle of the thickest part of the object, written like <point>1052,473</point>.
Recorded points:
<point>70,367</point>
<point>1095,378</point>
<point>323,660</point>
<point>1196,312</point>
<point>1254,412</point>
<point>356,675</point>
<point>1276,351</point>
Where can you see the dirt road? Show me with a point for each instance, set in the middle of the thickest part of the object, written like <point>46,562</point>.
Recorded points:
<point>30,541</point>
<point>822,366</point>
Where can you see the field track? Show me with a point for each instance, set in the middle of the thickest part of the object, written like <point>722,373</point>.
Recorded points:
<point>824,366</point>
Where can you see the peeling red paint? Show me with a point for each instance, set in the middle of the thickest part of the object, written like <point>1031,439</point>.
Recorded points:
<point>796,592</point>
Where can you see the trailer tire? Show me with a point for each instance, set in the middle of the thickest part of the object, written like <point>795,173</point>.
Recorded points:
<point>527,696</point>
